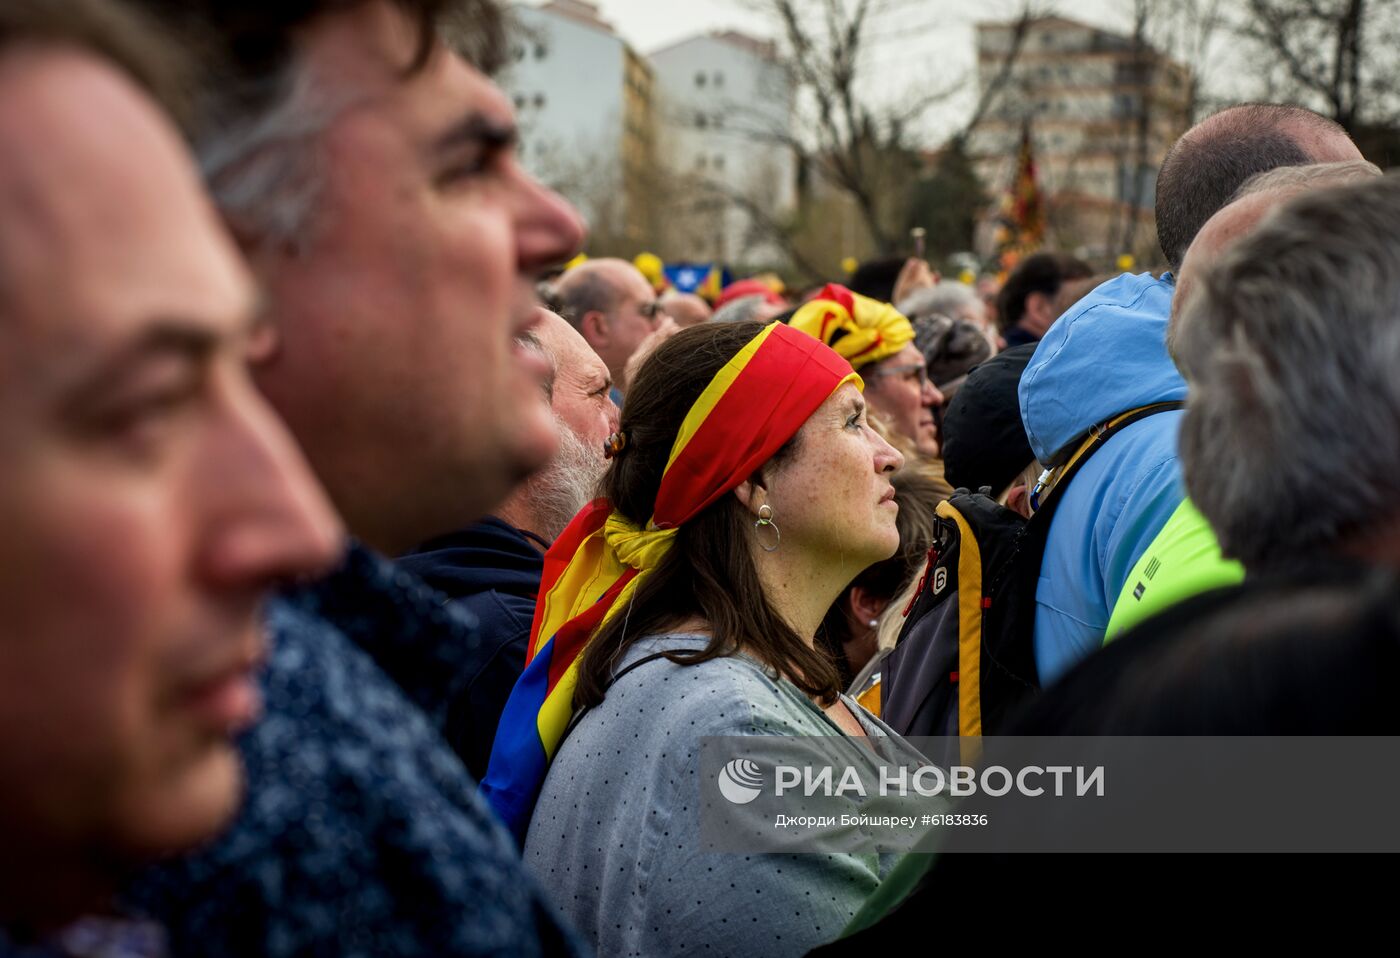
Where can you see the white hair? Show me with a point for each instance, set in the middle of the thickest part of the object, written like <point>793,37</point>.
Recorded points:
<point>945,299</point>
<point>742,310</point>
<point>1292,180</point>
<point>556,493</point>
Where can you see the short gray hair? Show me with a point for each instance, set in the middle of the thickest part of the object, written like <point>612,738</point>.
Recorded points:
<point>742,310</point>
<point>1292,180</point>
<point>262,167</point>
<point>945,299</point>
<point>1295,328</point>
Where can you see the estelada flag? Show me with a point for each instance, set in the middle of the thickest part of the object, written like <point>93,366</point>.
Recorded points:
<point>1023,207</point>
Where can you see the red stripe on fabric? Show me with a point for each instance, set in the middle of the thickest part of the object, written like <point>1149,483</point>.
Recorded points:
<point>782,385</point>
<point>574,635</point>
<point>843,298</point>
<point>839,294</point>
<point>588,521</point>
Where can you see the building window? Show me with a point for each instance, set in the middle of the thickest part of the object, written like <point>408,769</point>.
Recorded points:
<point>539,100</point>
<point>719,162</point>
<point>519,102</point>
<point>700,162</point>
<point>719,79</point>
<point>719,120</point>
<point>700,79</point>
<point>541,51</point>
<point>701,121</point>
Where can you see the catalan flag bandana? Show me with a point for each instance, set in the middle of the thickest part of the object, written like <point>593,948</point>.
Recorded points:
<point>862,330</point>
<point>754,405</point>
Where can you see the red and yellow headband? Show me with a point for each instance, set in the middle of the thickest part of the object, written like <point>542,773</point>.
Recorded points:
<point>861,329</point>
<point>749,410</point>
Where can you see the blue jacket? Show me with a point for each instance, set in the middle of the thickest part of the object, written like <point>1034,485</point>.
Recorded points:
<point>492,570</point>
<point>361,832</point>
<point>1104,356</point>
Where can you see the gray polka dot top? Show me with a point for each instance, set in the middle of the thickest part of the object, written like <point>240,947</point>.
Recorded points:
<point>615,836</point>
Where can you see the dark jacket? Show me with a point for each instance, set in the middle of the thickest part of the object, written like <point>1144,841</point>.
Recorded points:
<point>491,570</point>
<point>361,832</point>
<point>1018,336</point>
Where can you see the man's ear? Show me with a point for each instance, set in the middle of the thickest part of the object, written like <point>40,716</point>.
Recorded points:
<point>1040,309</point>
<point>1018,499</point>
<point>865,605</point>
<point>594,327</point>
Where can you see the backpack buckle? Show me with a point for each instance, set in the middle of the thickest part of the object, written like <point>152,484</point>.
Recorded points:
<point>1039,489</point>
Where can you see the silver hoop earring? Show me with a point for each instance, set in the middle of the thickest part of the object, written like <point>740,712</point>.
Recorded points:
<point>765,521</point>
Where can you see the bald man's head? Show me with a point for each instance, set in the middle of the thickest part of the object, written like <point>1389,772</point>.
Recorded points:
<point>597,285</point>
<point>1214,158</point>
<point>1256,199</point>
<point>686,309</point>
<point>611,303</point>
<point>1221,231</point>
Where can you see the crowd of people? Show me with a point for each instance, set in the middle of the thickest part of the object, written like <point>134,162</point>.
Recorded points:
<point>370,580</point>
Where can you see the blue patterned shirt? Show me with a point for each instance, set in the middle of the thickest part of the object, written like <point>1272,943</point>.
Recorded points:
<point>362,833</point>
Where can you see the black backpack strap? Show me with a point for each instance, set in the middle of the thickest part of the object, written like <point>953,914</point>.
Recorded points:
<point>1007,664</point>
<point>1101,433</point>
<point>578,716</point>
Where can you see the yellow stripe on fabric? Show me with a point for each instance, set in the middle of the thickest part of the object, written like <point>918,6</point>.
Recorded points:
<point>969,632</point>
<point>636,547</point>
<point>557,709</point>
<point>714,391</point>
<point>558,706</point>
<point>1058,472</point>
<point>589,574</point>
<point>870,698</point>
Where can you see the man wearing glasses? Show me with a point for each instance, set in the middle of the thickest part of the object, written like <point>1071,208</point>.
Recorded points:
<point>611,303</point>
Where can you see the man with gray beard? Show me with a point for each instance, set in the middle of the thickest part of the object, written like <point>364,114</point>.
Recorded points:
<point>493,568</point>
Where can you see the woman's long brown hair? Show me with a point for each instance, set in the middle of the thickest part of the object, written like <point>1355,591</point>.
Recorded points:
<point>709,573</point>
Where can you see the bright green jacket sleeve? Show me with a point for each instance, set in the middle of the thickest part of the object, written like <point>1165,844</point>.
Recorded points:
<point>1184,560</point>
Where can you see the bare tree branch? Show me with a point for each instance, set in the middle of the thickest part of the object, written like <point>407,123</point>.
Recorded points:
<point>1029,14</point>
<point>761,217</point>
<point>1340,56</point>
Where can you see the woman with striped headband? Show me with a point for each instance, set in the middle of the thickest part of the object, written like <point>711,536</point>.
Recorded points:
<point>748,491</point>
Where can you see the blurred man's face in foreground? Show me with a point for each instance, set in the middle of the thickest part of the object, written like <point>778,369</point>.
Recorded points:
<point>149,497</point>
